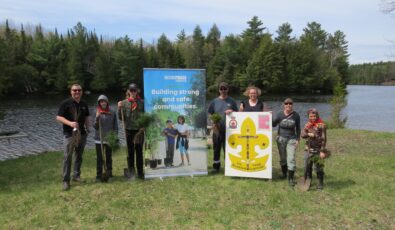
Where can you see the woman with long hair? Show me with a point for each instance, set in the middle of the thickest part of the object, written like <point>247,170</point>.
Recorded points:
<point>182,139</point>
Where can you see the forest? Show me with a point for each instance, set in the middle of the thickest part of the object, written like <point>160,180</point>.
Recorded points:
<point>380,73</point>
<point>41,61</point>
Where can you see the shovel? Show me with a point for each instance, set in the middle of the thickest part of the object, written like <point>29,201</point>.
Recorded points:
<point>106,174</point>
<point>304,184</point>
<point>126,171</point>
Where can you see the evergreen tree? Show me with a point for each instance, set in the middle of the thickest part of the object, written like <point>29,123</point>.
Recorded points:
<point>284,33</point>
<point>265,68</point>
<point>225,66</point>
<point>196,49</point>
<point>165,52</point>
<point>212,44</point>
<point>315,35</point>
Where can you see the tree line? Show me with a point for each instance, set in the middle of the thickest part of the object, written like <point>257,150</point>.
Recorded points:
<point>372,73</point>
<point>278,63</point>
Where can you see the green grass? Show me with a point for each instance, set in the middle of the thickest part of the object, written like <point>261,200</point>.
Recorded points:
<point>358,194</point>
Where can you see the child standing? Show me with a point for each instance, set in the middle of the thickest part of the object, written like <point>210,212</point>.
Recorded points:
<point>170,133</point>
<point>106,123</point>
<point>182,139</point>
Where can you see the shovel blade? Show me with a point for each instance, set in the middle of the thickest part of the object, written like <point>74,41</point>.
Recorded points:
<point>304,184</point>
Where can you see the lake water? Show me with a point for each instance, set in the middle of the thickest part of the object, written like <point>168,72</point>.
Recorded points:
<point>369,107</point>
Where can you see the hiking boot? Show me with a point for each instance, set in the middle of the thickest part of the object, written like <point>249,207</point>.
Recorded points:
<point>141,176</point>
<point>77,179</point>
<point>66,185</point>
<point>291,180</point>
<point>284,169</point>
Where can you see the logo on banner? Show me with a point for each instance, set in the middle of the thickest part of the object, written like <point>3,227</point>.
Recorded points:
<point>247,160</point>
<point>233,123</point>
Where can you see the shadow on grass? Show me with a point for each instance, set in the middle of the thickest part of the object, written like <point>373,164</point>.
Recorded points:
<point>337,184</point>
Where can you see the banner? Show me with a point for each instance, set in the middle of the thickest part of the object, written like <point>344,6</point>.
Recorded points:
<point>176,143</point>
<point>249,145</point>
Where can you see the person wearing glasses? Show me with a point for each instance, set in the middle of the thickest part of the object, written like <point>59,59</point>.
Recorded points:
<point>288,137</point>
<point>129,110</point>
<point>253,104</point>
<point>73,114</point>
<point>222,105</point>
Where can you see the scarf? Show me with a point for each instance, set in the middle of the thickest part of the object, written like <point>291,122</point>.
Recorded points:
<point>133,102</point>
<point>315,123</point>
<point>101,110</point>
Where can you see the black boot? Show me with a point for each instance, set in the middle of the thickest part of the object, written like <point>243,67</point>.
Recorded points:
<point>216,167</point>
<point>320,185</point>
<point>291,181</point>
<point>284,169</point>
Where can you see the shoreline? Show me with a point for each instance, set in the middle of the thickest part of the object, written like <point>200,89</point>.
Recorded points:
<point>14,156</point>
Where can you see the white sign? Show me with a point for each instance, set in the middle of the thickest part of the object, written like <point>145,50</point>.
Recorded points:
<point>249,145</point>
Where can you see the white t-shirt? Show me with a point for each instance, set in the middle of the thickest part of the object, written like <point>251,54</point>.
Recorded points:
<point>182,128</point>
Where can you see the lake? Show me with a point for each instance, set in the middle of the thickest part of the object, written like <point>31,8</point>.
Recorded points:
<point>369,108</point>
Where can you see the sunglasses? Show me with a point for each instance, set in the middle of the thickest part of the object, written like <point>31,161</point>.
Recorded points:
<point>223,88</point>
<point>76,90</point>
<point>287,103</point>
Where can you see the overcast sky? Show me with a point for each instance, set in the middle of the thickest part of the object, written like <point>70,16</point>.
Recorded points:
<point>370,33</point>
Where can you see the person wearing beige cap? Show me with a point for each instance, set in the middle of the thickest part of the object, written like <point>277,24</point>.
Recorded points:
<point>222,105</point>
<point>288,137</point>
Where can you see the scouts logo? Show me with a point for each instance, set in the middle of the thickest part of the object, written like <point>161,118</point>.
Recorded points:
<point>233,123</point>
<point>247,160</point>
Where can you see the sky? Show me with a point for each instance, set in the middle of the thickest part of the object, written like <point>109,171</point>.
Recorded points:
<point>370,33</point>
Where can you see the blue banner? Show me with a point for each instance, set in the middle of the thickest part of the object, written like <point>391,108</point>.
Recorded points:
<point>177,142</point>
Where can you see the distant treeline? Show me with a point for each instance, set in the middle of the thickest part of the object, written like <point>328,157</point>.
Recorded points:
<point>372,73</point>
<point>42,62</point>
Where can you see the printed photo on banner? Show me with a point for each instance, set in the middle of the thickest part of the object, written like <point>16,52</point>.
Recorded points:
<point>176,142</point>
<point>249,145</point>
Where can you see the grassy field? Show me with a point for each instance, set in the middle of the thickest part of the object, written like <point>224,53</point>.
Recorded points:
<point>358,194</point>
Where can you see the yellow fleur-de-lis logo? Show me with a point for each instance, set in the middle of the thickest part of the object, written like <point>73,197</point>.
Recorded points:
<point>248,139</point>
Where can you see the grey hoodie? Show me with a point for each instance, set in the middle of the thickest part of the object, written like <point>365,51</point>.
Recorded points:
<point>108,122</point>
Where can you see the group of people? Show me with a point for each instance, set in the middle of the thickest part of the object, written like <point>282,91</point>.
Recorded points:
<point>177,135</point>
<point>74,115</point>
<point>288,134</point>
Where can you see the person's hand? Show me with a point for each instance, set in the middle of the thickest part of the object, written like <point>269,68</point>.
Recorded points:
<point>228,111</point>
<point>296,144</point>
<point>322,155</point>
<point>119,104</point>
<point>74,125</point>
<point>310,134</point>
<point>97,114</point>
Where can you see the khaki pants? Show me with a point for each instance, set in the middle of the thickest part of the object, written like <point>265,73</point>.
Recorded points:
<point>68,156</point>
<point>287,150</point>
